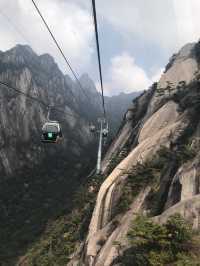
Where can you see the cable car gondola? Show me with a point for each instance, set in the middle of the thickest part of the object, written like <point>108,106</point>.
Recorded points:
<point>105,130</point>
<point>51,132</point>
<point>92,128</point>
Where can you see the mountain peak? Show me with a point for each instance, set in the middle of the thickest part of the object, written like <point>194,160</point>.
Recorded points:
<point>19,54</point>
<point>22,50</point>
<point>47,61</point>
<point>186,51</point>
<point>87,83</point>
<point>48,58</point>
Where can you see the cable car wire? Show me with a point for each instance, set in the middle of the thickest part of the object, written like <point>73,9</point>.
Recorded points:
<point>98,54</point>
<point>59,48</point>
<point>37,100</point>
<point>99,93</point>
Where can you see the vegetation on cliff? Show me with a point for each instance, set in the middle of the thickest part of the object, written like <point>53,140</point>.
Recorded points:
<point>62,236</point>
<point>151,244</point>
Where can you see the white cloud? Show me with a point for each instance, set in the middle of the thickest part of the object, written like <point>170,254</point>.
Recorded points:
<point>124,75</point>
<point>70,22</point>
<point>157,75</point>
<point>187,20</point>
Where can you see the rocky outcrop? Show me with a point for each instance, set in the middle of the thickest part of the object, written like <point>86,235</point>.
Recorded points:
<point>186,182</point>
<point>109,251</point>
<point>164,123</point>
<point>148,145</point>
<point>188,208</point>
<point>183,67</point>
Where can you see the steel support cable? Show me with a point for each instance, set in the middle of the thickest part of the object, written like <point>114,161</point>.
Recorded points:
<point>59,48</point>
<point>98,54</point>
<point>37,100</point>
<point>99,93</point>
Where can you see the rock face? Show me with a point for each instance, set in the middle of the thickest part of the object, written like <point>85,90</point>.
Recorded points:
<point>165,116</point>
<point>190,209</point>
<point>22,119</point>
<point>148,145</point>
<point>183,68</point>
<point>36,180</point>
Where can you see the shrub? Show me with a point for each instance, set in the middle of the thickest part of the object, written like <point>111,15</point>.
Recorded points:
<point>146,233</point>
<point>185,153</point>
<point>142,175</point>
<point>187,260</point>
<point>116,159</point>
<point>179,232</point>
<point>157,245</point>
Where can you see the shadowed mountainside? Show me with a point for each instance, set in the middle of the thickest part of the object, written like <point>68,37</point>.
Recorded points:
<point>38,182</point>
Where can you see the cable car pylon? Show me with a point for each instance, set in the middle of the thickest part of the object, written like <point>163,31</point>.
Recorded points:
<point>99,154</point>
<point>103,133</point>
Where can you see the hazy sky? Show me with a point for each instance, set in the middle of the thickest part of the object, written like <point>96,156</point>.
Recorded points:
<point>137,37</point>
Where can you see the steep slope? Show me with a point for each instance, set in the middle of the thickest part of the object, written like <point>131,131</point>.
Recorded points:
<point>36,180</point>
<point>152,165</point>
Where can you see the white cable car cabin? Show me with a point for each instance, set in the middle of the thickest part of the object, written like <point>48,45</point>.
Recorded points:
<point>51,132</point>
<point>105,132</point>
<point>92,128</point>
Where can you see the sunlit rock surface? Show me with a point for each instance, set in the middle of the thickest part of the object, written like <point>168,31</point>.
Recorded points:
<point>165,120</point>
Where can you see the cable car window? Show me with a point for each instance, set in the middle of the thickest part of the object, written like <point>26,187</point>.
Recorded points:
<point>51,128</point>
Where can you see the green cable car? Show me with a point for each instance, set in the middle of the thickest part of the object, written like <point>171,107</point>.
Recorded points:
<point>51,132</point>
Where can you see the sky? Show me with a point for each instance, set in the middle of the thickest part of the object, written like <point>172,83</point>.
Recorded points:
<point>137,38</point>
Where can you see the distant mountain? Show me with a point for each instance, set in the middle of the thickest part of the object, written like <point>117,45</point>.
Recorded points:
<point>117,107</point>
